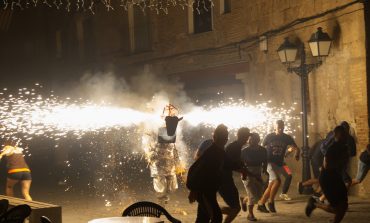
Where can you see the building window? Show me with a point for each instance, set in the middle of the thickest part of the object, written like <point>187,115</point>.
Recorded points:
<point>202,16</point>
<point>225,6</point>
<point>139,25</point>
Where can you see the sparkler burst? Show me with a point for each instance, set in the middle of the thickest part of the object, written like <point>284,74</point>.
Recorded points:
<point>30,114</point>
<point>237,114</point>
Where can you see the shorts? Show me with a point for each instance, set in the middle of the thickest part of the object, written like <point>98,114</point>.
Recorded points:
<point>333,187</point>
<point>275,171</point>
<point>20,176</point>
<point>254,186</point>
<point>229,192</point>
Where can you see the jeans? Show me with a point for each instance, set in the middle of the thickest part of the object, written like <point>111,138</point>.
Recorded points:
<point>362,171</point>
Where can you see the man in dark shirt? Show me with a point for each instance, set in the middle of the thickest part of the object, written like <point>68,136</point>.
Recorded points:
<point>331,179</point>
<point>205,178</point>
<point>351,148</point>
<point>228,189</point>
<point>276,144</point>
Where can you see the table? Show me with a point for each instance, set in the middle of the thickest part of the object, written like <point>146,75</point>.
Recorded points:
<point>127,220</point>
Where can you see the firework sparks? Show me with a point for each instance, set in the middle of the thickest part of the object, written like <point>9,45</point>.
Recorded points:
<point>238,114</point>
<point>27,114</point>
<point>30,114</point>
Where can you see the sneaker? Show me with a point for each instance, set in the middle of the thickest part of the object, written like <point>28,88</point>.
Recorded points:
<point>271,207</point>
<point>243,204</point>
<point>300,188</point>
<point>310,206</point>
<point>262,208</point>
<point>285,197</point>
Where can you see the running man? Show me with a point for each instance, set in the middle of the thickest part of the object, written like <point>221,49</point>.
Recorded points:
<point>254,158</point>
<point>205,178</point>
<point>18,171</point>
<point>331,178</point>
<point>228,189</point>
<point>277,144</point>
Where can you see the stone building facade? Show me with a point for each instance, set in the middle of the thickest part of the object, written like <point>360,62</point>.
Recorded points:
<point>337,89</point>
<point>231,52</point>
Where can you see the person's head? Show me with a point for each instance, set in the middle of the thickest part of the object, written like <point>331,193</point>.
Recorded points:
<point>339,133</point>
<point>368,148</point>
<point>254,139</point>
<point>221,135</point>
<point>243,135</point>
<point>346,126</point>
<point>279,127</point>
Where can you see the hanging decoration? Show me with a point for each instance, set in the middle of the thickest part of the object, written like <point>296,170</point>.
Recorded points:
<point>158,6</point>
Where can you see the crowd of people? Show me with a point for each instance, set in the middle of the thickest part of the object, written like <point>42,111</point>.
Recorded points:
<point>212,173</point>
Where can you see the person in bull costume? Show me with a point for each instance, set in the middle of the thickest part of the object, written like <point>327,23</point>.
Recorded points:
<point>164,161</point>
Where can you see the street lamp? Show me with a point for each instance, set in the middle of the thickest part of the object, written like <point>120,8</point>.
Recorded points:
<point>320,44</point>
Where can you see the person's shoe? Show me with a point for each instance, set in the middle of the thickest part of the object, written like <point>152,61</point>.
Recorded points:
<point>243,204</point>
<point>262,208</point>
<point>251,218</point>
<point>285,197</point>
<point>310,206</point>
<point>300,188</point>
<point>271,207</point>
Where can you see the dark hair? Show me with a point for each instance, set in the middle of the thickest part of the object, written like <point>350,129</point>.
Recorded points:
<point>220,129</point>
<point>280,122</point>
<point>256,136</point>
<point>339,129</point>
<point>243,132</point>
<point>368,147</point>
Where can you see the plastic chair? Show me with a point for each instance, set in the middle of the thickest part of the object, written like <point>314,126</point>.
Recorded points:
<point>45,219</point>
<point>17,214</point>
<point>148,209</point>
<point>4,205</point>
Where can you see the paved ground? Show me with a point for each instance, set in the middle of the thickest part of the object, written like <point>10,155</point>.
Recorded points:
<point>80,209</point>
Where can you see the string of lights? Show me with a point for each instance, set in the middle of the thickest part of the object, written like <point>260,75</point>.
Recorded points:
<point>158,6</point>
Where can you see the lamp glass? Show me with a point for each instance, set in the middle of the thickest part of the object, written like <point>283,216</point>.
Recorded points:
<point>287,55</point>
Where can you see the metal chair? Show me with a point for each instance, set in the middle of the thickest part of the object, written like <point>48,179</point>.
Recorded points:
<point>17,214</point>
<point>148,209</point>
<point>45,219</point>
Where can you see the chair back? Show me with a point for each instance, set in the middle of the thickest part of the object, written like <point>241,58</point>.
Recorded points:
<point>45,219</point>
<point>4,205</point>
<point>17,214</point>
<point>148,209</point>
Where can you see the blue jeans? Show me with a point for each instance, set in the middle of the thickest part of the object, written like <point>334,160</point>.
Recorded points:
<point>362,171</point>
